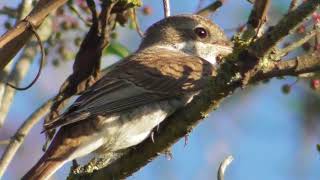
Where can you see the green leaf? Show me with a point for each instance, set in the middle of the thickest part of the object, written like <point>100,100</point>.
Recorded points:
<point>117,49</point>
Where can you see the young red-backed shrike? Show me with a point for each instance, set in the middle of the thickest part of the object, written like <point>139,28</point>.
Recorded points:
<point>121,109</point>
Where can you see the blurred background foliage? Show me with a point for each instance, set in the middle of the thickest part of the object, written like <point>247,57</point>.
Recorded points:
<point>271,128</point>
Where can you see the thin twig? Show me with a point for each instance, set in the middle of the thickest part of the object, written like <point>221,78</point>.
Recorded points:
<point>166,8</point>
<point>223,166</point>
<point>4,74</point>
<point>14,39</point>
<point>137,25</point>
<point>94,13</point>
<point>11,12</point>
<point>257,19</point>
<point>211,8</point>
<point>297,44</point>
<point>105,15</point>
<point>259,13</point>
<point>306,63</point>
<point>19,137</point>
<point>274,35</point>
<point>75,10</point>
<point>264,45</point>
<point>33,30</point>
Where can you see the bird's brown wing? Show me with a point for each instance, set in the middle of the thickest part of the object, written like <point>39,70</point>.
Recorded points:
<point>135,82</point>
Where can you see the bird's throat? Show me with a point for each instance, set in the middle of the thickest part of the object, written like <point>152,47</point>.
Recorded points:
<point>206,51</point>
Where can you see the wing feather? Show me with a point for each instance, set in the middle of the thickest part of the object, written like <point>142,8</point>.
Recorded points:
<point>137,82</point>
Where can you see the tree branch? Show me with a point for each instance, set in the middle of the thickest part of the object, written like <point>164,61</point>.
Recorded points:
<point>19,71</point>
<point>256,21</point>
<point>262,48</point>
<point>211,8</point>
<point>258,13</point>
<point>166,8</point>
<point>19,137</point>
<point>13,40</point>
<point>288,23</point>
<point>300,65</point>
<point>299,43</point>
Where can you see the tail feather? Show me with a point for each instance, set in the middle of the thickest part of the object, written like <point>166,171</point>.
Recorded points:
<point>43,170</point>
<point>49,163</point>
<point>69,143</point>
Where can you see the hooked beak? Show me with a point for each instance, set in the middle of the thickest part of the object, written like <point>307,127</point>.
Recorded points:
<point>225,47</point>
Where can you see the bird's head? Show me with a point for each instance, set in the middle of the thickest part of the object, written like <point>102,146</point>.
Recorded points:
<point>191,34</point>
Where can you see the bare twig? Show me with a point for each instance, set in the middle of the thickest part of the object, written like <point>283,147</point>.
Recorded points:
<point>18,138</point>
<point>297,44</point>
<point>41,61</point>
<point>211,8</point>
<point>137,25</point>
<point>259,13</point>
<point>299,65</point>
<point>75,10</point>
<point>265,44</point>
<point>256,20</point>
<point>166,8</point>
<point>19,71</point>
<point>223,166</point>
<point>11,12</point>
<point>105,18</point>
<point>4,73</point>
<point>94,13</point>
<point>13,40</point>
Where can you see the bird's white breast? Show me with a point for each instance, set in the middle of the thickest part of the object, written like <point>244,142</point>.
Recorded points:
<point>130,128</point>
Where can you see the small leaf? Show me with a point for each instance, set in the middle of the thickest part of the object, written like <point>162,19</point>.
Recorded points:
<point>117,49</point>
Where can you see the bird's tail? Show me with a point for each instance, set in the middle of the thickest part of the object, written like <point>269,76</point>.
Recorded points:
<point>48,164</point>
<point>44,169</point>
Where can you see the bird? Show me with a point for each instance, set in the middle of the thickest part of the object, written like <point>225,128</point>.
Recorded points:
<point>171,66</point>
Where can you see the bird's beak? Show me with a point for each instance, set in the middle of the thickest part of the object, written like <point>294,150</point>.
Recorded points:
<point>225,47</point>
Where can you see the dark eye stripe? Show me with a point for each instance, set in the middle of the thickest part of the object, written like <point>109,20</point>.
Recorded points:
<point>201,32</point>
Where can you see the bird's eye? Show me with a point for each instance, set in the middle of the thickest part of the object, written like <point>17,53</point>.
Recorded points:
<point>201,32</point>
